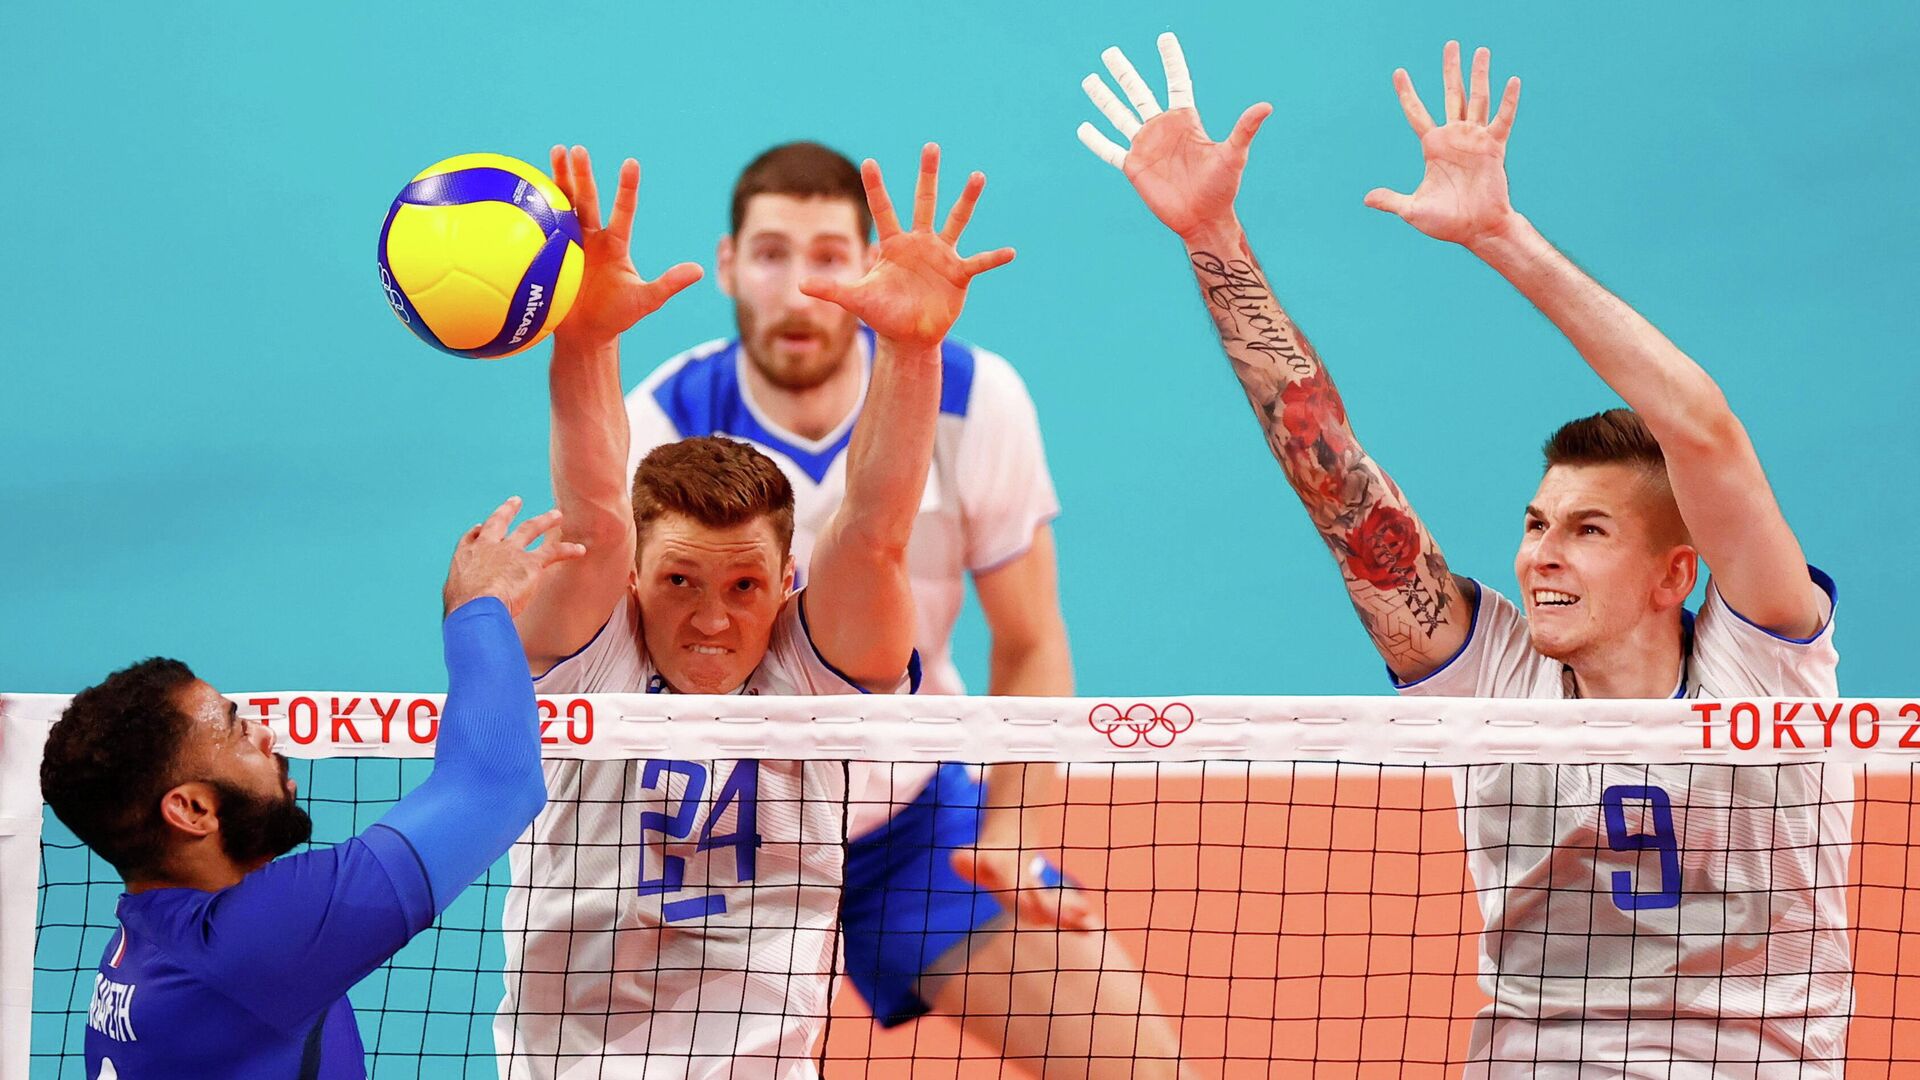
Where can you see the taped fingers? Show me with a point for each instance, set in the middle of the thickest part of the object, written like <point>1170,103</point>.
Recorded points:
<point>1131,84</point>
<point>1179,82</point>
<point>1103,148</point>
<point>1121,117</point>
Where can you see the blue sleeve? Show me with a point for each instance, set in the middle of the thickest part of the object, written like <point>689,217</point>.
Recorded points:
<point>295,935</point>
<point>486,786</point>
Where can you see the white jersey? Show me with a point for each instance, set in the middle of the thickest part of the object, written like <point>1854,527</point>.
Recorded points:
<point>1671,921</point>
<point>987,492</point>
<point>676,919</point>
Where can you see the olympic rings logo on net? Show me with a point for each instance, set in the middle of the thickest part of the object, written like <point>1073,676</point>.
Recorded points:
<point>1140,723</point>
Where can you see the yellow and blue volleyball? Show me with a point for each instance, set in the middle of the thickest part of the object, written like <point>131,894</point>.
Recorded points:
<point>480,256</point>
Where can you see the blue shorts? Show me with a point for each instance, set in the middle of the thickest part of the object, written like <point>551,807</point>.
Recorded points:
<point>905,907</point>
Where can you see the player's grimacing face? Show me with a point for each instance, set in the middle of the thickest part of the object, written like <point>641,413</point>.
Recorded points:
<point>793,340</point>
<point>708,600</point>
<point>1597,557</point>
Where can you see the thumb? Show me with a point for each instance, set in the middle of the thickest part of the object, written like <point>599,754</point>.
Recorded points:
<point>675,278</point>
<point>1248,125</point>
<point>1391,201</point>
<point>823,289</point>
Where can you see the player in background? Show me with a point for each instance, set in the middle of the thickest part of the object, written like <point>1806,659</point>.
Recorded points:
<point>931,876</point>
<point>676,918</point>
<point>229,961</point>
<point>1670,921</point>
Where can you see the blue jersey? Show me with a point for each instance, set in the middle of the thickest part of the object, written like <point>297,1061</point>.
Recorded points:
<point>251,981</point>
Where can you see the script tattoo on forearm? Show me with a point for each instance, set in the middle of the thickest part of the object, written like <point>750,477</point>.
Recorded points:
<point>1399,581</point>
<point>1244,312</point>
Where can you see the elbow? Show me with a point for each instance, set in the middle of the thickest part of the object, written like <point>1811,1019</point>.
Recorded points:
<point>529,799</point>
<point>599,525</point>
<point>877,544</point>
<point>1706,433</point>
<point>884,542</point>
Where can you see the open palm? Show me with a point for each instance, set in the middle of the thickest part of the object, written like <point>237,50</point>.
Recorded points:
<point>613,296</point>
<point>1186,179</point>
<point>913,294</point>
<point>1462,196</point>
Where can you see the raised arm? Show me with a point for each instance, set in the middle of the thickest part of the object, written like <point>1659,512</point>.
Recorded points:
<point>301,931</point>
<point>486,784</point>
<point>1729,507</point>
<point>859,600</point>
<point>587,450</point>
<point>1409,602</point>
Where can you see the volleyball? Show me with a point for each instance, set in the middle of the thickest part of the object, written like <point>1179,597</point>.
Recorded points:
<point>480,256</point>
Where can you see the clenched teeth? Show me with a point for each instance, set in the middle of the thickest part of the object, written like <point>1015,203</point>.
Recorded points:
<point>1549,596</point>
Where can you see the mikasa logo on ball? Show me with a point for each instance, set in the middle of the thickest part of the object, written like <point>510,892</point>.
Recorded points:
<point>534,303</point>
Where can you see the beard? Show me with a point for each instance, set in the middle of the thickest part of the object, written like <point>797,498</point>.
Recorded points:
<point>794,374</point>
<point>256,827</point>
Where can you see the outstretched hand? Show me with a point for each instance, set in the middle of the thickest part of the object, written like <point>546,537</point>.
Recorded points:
<point>1186,179</point>
<point>490,561</point>
<point>1463,195</point>
<point>613,295</point>
<point>914,292</point>
<point>1012,872</point>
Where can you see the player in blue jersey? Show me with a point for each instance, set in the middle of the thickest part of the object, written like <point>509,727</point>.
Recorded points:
<point>941,858</point>
<point>230,961</point>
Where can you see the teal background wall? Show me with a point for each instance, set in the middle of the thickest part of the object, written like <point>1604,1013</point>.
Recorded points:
<point>216,443</point>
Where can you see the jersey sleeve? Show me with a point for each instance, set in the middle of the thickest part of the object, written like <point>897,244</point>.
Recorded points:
<point>1735,656</point>
<point>486,785</point>
<point>611,662</point>
<point>1001,467</point>
<point>1496,660</point>
<point>796,662</point>
<point>295,935</point>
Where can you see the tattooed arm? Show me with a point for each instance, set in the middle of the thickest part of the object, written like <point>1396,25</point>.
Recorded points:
<point>1398,580</point>
<point>1723,494</point>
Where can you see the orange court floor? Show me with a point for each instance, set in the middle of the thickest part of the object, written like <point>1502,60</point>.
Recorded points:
<point>1325,926</point>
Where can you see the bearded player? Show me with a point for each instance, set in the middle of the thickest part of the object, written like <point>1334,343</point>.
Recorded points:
<point>676,918</point>
<point>938,862</point>
<point>230,961</point>
<point>1669,921</point>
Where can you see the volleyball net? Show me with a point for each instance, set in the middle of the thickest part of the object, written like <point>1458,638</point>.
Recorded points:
<point>1315,887</point>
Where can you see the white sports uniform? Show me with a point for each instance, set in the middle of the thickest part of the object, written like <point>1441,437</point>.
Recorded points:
<point>988,491</point>
<point>1672,921</point>
<point>658,940</point>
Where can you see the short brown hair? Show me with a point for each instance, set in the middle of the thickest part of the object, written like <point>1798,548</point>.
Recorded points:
<point>716,481</point>
<point>806,170</point>
<point>1614,437</point>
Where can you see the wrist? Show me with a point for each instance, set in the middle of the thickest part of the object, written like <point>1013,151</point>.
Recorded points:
<point>1218,235</point>
<point>584,342</point>
<point>910,352</point>
<point>466,604</point>
<point>1509,240</point>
